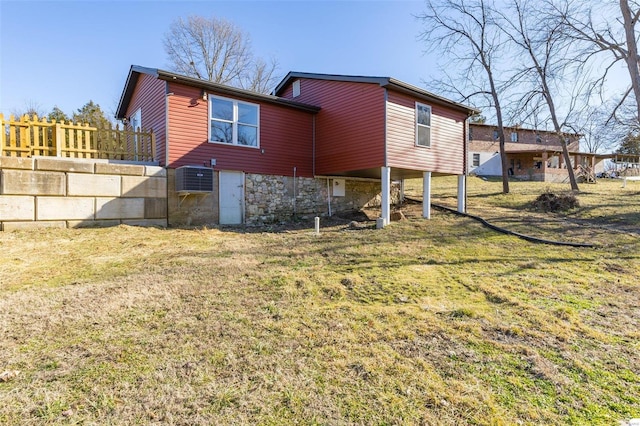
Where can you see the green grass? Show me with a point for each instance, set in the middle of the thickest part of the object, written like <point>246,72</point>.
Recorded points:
<point>423,322</point>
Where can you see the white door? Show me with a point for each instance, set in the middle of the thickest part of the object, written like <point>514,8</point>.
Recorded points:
<point>231,197</point>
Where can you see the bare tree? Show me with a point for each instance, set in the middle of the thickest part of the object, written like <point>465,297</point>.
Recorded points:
<point>547,63</point>
<point>607,33</point>
<point>599,133</point>
<point>466,32</point>
<point>216,50</point>
<point>30,109</point>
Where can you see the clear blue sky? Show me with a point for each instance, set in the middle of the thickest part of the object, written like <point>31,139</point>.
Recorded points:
<point>66,53</point>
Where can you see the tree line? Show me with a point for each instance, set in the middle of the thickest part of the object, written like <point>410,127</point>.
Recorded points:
<point>89,113</point>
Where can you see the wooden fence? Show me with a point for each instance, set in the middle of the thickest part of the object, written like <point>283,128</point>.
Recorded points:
<point>30,136</point>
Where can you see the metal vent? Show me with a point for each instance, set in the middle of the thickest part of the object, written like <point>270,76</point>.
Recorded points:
<point>194,179</point>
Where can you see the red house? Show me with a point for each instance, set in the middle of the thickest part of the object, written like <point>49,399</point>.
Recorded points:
<point>320,143</point>
<point>532,154</point>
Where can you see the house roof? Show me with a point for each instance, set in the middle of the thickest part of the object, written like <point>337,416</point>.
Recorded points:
<point>526,129</point>
<point>385,82</point>
<point>555,151</point>
<point>135,71</point>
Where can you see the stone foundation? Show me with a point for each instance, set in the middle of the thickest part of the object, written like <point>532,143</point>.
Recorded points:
<point>274,199</point>
<point>271,199</point>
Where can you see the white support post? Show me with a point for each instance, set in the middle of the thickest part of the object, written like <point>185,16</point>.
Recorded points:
<point>426,195</point>
<point>462,208</point>
<point>385,173</point>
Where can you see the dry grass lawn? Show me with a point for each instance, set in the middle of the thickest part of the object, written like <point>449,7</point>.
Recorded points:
<point>423,322</point>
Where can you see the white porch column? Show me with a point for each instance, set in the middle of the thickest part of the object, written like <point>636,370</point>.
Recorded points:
<point>462,208</point>
<point>385,174</point>
<point>426,195</point>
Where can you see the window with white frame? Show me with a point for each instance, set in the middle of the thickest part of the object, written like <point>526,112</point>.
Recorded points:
<point>296,88</point>
<point>234,122</point>
<point>514,136</point>
<point>476,160</point>
<point>423,125</point>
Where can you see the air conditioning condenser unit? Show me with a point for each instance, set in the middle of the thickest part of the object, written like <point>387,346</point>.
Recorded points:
<point>193,179</point>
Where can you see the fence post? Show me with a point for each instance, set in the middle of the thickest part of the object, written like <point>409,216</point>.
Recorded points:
<point>58,139</point>
<point>153,145</point>
<point>2,134</point>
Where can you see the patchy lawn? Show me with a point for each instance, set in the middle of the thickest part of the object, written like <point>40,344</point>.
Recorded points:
<point>423,322</point>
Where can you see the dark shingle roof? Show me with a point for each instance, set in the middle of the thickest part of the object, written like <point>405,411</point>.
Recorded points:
<point>386,82</point>
<point>136,71</point>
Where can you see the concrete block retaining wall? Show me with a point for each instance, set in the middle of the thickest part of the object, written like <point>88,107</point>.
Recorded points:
<point>60,192</point>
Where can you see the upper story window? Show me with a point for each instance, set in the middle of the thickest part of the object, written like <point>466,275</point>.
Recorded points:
<point>296,88</point>
<point>234,122</point>
<point>423,125</point>
<point>514,136</point>
<point>495,134</point>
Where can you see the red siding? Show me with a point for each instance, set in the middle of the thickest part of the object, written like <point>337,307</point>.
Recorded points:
<point>446,154</point>
<point>350,125</point>
<point>149,96</point>
<point>286,138</point>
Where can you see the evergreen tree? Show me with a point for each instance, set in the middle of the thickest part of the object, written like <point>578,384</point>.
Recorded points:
<point>630,144</point>
<point>91,113</point>
<point>58,115</point>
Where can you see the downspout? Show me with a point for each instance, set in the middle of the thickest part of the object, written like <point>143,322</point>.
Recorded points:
<point>313,144</point>
<point>329,196</point>
<point>294,191</point>
<point>166,124</point>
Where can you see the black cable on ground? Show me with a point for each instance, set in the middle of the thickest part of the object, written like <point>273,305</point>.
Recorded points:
<point>508,232</point>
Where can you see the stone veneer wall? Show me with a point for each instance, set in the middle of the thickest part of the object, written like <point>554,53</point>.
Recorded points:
<point>64,192</point>
<point>270,198</point>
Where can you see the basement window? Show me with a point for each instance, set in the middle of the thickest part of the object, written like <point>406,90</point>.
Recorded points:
<point>423,125</point>
<point>234,122</point>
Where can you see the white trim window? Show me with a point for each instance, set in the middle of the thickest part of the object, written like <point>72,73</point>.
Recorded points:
<point>234,122</point>
<point>296,88</point>
<point>514,136</point>
<point>423,125</point>
<point>476,159</point>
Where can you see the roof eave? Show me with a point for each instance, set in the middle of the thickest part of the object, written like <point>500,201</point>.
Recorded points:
<point>409,89</point>
<point>385,82</point>
<point>233,91</point>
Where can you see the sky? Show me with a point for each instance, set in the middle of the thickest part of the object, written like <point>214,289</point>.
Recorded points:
<point>65,53</point>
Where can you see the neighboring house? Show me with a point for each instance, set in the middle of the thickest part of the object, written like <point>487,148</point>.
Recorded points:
<point>531,154</point>
<point>320,143</point>
<point>624,165</point>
